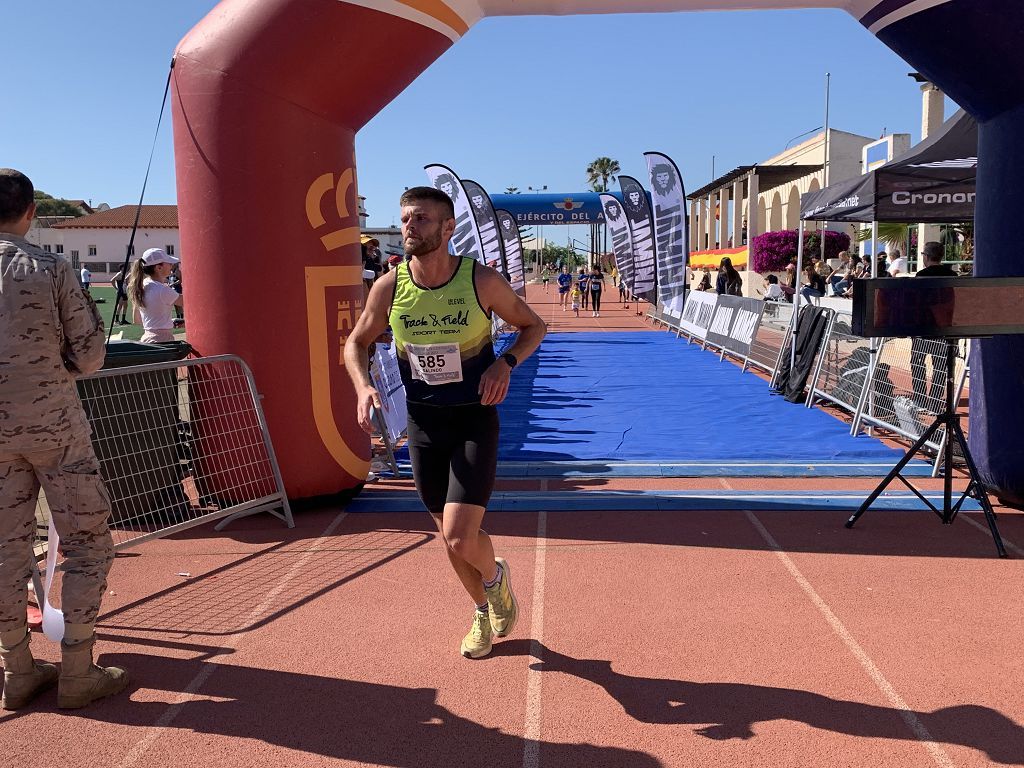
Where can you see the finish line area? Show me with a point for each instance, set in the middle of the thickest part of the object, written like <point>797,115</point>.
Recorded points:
<point>645,404</point>
<point>678,618</point>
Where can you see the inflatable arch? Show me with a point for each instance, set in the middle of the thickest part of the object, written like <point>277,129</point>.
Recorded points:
<point>268,96</point>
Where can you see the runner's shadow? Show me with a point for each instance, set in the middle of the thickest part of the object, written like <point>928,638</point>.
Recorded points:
<point>361,722</point>
<point>731,710</point>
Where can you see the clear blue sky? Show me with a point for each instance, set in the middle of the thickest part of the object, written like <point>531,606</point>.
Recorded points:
<point>84,82</point>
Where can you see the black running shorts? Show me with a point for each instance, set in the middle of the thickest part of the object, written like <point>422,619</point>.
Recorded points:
<point>454,453</point>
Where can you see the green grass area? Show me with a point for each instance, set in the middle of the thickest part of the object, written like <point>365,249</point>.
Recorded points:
<point>105,297</point>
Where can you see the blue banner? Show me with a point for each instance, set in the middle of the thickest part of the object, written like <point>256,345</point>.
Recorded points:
<point>571,208</point>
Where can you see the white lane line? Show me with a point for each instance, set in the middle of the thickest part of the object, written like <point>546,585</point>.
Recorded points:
<point>154,732</point>
<point>906,713</point>
<point>534,712</point>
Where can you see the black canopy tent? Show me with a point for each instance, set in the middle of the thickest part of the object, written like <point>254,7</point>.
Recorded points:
<point>933,183</point>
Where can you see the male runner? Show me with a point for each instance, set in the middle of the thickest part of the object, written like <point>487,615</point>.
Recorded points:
<point>440,307</point>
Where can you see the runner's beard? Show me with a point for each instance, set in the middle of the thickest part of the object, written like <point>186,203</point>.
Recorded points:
<point>425,244</point>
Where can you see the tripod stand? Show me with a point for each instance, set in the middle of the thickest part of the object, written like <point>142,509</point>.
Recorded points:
<point>949,419</point>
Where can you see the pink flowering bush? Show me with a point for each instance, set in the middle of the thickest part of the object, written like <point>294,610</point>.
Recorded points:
<point>772,251</point>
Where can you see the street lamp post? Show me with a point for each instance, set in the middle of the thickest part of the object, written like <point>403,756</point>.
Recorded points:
<point>540,228</point>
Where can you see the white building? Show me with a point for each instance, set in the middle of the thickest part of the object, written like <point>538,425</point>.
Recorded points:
<point>730,211</point>
<point>390,239</point>
<point>100,240</point>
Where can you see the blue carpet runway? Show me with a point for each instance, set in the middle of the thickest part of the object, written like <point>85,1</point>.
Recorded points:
<point>648,404</point>
<point>646,397</point>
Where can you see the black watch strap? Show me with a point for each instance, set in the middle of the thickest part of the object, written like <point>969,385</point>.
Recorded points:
<point>510,359</point>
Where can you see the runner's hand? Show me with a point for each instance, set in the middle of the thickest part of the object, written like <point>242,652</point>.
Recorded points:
<point>365,399</point>
<point>494,383</point>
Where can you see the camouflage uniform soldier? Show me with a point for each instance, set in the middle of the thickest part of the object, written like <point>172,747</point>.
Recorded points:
<point>51,331</point>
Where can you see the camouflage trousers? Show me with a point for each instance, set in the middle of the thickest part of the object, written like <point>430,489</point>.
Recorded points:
<point>80,507</point>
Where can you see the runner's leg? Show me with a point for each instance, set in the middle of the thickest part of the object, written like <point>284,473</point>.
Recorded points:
<point>453,462</point>
<point>468,575</point>
<point>473,465</point>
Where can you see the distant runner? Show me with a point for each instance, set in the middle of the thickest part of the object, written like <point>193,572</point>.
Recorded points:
<point>564,284</point>
<point>440,307</point>
<point>596,284</point>
<point>583,278</point>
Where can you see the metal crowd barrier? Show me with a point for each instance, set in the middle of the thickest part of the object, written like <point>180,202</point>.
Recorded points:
<point>180,444</point>
<point>842,366</point>
<point>658,316</point>
<point>776,326</point>
<point>906,388</point>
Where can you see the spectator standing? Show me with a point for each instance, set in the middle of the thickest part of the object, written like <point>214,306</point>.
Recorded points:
<point>881,265</point>
<point>121,302</point>
<point>52,333</point>
<point>154,300</point>
<point>729,282</point>
<point>615,275</point>
<point>86,276</point>
<point>932,397</point>
<point>175,282</point>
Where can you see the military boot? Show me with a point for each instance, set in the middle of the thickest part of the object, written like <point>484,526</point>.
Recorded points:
<point>24,677</point>
<point>81,681</point>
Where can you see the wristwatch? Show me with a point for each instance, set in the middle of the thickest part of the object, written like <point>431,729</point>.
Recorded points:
<point>510,359</point>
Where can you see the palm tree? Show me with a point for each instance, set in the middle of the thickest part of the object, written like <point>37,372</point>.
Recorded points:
<point>511,190</point>
<point>599,173</point>
<point>602,170</point>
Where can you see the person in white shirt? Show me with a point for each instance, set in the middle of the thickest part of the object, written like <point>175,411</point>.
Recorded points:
<point>154,300</point>
<point>898,264</point>
<point>86,276</point>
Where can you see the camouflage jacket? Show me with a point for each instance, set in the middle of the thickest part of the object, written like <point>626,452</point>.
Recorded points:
<point>49,332</point>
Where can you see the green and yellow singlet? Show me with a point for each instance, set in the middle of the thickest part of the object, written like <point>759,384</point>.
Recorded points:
<point>442,336</point>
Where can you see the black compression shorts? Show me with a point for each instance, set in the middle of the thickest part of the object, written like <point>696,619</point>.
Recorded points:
<point>454,453</point>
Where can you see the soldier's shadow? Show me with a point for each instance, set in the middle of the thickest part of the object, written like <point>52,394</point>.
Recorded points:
<point>731,710</point>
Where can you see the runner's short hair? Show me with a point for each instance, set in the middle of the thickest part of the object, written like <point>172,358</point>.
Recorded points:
<point>419,194</point>
<point>16,194</point>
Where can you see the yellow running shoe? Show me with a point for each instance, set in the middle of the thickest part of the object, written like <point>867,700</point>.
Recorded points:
<point>477,643</point>
<point>501,602</point>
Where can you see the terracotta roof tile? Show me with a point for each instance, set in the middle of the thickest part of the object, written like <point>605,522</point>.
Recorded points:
<point>122,217</point>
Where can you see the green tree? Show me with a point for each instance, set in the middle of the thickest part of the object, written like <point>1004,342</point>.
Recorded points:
<point>48,205</point>
<point>600,172</point>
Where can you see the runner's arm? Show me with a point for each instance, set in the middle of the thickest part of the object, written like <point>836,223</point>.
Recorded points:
<point>497,296</point>
<point>370,325</point>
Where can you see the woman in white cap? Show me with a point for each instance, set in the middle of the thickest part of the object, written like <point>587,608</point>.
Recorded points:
<point>153,298</point>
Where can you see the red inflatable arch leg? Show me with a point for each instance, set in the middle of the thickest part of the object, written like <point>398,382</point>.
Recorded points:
<point>267,99</point>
